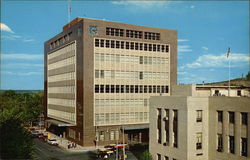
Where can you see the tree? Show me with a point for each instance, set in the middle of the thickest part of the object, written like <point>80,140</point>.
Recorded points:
<point>17,110</point>
<point>248,76</point>
<point>146,156</point>
<point>15,140</point>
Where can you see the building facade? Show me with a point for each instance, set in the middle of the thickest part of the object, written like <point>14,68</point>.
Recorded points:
<point>99,76</point>
<point>194,123</point>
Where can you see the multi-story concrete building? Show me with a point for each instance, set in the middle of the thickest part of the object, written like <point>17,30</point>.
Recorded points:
<point>198,123</point>
<point>99,76</point>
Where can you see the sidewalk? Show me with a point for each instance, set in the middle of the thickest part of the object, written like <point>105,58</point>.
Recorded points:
<point>63,143</point>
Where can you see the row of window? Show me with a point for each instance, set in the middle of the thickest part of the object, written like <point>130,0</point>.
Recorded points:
<point>114,32</point>
<point>231,143</point>
<point>120,102</point>
<point>62,51</point>
<point>107,135</point>
<point>118,118</point>
<point>60,41</point>
<point>132,33</point>
<point>131,75</point>
<point>130,89</point>
<point>152,35</point>
<point>166,130</point>
<point>158,157</point>
<point>64,89</point>
<point>130,59</point>
<point>60,114</point>
<point>244,117</point>
<point>62,77</point>
<point>131,45</point>
<point>62,63</point>
<point>62,102</point>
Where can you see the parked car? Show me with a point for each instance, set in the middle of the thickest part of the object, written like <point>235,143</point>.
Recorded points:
<point>52,141</point>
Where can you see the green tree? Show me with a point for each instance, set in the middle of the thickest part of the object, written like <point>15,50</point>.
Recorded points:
<point>15,140</point>
<point>146,156</point>
<point>17,110</point>
<point>248,76</point>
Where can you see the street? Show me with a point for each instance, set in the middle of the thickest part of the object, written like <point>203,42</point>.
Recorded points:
<point>44,151</point>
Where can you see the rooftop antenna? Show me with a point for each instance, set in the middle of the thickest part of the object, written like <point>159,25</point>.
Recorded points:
<point>69,11</point>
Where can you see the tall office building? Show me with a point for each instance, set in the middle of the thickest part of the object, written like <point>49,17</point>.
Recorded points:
<point>199,122</point>
<point>99,76</point>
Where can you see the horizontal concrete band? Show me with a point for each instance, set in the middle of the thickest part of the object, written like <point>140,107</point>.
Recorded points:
<point>61,108</point>
<point>62,83</point>
<point>61,57</point>
<point>61,119</point>
<point>61,70</point>
<point>61,95</point>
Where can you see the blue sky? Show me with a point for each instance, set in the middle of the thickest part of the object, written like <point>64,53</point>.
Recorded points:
<point>205,31</point>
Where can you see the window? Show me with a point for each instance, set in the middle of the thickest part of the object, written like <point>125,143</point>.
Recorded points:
<point>107,89</point>
<point>166,120</point>
<point>238,92</point>
<point>101,136</point>
<point>127,88</point>
<point>145,89</point>
<point>231,144</point>
<point>112,88</point>
<point>112,135</point>
<point>141,60</point>
<point>175,128</point>
<point>107,43</point>
<point>122,88</point>
<point>96,88</point>
<point>159,125</point>
<point>199,116</point>
<point>101,88</point>
<point>116,135</point>
<point>96,73</point>
<point>199,140</point>
<point>96,42</point>
<point>231,117</point>
<point>220,116</point>
<point>102,42</point>
<point>219,143</point>
<point>102,74</point>
<point>140,75</point>
<point>117,89</point>
<point>244,118</point>
<point>244,147</point>
<point>158,156</point>
<point>166,158</point>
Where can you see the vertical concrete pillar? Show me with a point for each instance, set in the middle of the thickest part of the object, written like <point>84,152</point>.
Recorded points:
<point>237,132</point>
<point>171,127</point>
<point>225,131</point>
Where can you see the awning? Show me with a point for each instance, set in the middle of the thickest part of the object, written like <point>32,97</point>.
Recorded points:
<point>59,123</point>
<point>136,127</point>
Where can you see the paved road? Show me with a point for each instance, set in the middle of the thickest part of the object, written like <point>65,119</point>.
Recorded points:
<point>44,151</point>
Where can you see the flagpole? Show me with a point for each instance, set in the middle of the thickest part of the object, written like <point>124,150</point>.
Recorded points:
<point>229,70</point>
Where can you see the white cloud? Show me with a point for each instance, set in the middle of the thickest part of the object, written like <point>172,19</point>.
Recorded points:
<point>5,28</point>
<point>184,48</point>
<point>204,48</point>
<point>22,65</point>
<point>141,3</point>
<point>192,6</point>
<point>183,40</point>
<point>22,56</point>
<point>22,73</point>
<point>215,61</point>
<point>28,40</point>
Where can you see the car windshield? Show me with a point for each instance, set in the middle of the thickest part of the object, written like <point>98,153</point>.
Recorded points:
<point>52,140</point>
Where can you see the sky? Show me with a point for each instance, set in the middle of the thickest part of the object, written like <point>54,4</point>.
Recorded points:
<point>206,29</point>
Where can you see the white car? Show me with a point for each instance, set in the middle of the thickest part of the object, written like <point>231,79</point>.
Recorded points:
<point>52,141</point>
